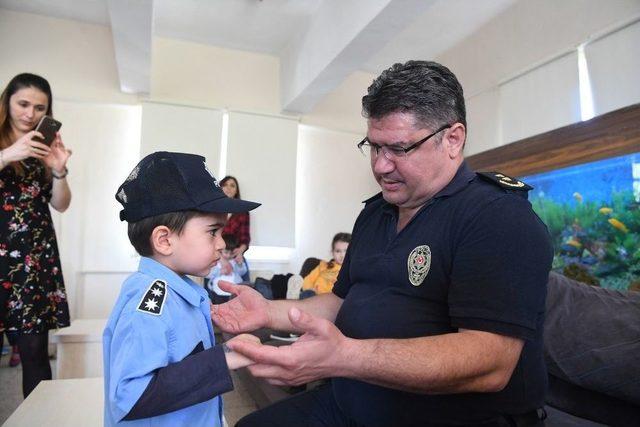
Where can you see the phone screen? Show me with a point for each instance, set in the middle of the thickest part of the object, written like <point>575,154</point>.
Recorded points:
<point>48,127</point>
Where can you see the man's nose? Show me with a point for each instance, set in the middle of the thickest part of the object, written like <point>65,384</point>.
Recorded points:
<point>380,164</point>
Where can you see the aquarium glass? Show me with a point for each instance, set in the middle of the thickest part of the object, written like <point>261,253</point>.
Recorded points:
<point>593,215</point>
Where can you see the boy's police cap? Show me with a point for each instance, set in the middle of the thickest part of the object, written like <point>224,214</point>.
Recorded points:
<point>166,182</point>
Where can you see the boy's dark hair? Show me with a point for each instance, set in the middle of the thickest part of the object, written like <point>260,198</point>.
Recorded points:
<point>230,241</point>
<point>140,231</point>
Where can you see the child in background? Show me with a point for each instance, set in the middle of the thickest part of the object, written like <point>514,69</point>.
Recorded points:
<point>217,295</point>
<point>162,366</point>
<point>323,277</point>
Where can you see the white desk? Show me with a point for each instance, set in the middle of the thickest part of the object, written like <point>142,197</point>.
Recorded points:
<point>79,353</point>
<point>70,403</point>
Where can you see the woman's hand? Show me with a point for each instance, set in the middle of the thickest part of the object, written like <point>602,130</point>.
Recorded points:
<point>58,155</point>
<point>237,360</point>
<point>248,311</point>
<point>26,147</point>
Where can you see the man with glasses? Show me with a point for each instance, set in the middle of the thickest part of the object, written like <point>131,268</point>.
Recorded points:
<point>437,314</point>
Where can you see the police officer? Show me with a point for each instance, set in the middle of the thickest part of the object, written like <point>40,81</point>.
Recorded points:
<point>437,314</point>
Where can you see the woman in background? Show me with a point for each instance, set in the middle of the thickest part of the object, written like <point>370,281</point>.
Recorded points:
<point>323,277</point>
<point>32,177</point>
<point>238,226</point>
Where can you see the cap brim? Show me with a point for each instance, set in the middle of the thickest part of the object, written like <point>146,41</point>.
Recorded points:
<point>227,205</point>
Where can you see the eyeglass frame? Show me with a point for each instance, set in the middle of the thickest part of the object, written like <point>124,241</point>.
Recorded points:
<point>404,150</point>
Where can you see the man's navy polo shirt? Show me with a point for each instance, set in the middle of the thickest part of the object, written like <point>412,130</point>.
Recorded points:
<point>489,257</point>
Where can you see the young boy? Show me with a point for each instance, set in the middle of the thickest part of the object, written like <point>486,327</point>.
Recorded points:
<point>218,296</point>
<point>161,364</point>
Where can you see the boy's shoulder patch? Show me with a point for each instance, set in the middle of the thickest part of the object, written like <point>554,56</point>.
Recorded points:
<point>504,181</point>
<point>153,300</point>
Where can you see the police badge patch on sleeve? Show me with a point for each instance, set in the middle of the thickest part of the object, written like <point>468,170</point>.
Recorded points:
<point>418,264</point>
<point>154,298</point>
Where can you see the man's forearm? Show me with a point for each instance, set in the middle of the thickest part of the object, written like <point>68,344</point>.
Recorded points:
<point>467,361</point>
<point>325,306</point>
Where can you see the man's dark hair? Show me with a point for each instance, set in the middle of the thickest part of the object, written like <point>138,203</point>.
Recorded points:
<point>427,89</point>
<point>140,231</point>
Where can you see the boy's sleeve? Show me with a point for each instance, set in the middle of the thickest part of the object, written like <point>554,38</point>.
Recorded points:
<point>195,379</point>
<point>142,382</point>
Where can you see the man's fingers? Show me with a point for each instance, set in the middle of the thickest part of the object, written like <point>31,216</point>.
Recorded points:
<point>306,322</point>
<point>266,354</point>
<point>228,287</point>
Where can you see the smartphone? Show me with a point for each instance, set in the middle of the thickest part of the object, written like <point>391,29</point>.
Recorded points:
<point>48,127</point>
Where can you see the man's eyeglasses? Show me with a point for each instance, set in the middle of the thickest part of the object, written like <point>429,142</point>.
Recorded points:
<point>393,152</point>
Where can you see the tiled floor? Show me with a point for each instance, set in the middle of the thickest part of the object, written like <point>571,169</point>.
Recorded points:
<point>237,403</point>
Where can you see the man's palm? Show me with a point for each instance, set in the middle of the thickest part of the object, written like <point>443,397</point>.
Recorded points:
<point>246,312</point>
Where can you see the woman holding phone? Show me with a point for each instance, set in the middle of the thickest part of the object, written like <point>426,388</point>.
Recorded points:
<point>32,177</point>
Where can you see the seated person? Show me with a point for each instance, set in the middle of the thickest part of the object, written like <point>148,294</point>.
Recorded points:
<point>322,278</point>
<point>238,269</point>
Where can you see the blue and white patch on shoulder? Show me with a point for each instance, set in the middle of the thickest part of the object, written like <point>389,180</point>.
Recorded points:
<point>153,300</point>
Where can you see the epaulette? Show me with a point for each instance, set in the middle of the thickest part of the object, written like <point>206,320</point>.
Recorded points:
<point>504,181</point>
<point>154,298</point>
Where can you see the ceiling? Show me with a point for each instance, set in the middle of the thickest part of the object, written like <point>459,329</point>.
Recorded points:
<point>326,39</point>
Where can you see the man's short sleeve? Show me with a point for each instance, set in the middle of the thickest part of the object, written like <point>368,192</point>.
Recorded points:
<point>500,270</point>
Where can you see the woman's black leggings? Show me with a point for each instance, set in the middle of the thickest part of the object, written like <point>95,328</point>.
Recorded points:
<point>34,355</point>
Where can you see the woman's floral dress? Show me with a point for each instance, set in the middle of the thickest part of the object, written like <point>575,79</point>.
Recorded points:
<point>32,294</point>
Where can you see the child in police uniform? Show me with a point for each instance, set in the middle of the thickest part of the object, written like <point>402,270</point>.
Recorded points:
<point>161,364</point>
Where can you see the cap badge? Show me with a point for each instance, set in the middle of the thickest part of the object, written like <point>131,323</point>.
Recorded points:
<point>418,264</point>
<point>154,298</point>
<point>215,181</point>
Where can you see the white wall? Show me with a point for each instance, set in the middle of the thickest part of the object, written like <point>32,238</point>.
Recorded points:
<point>76,58</point>
<point>261,154</point>
<point>614,65</point>
<point>332,181</point>
<point>518,79</point>
<point>197,74</point>
<point>105,139</point>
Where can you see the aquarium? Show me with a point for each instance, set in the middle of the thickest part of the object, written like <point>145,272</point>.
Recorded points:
<point>593,215</point>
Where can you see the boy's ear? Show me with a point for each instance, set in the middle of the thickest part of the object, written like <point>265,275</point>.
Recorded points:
<point>160,242</point>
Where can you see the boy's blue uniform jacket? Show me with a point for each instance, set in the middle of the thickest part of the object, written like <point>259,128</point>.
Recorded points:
<point>160,363</point>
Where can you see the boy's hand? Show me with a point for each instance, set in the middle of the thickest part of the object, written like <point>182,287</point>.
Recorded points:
<point>236,360</point>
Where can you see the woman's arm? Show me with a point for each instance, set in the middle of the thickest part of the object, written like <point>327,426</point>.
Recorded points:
<point>57,161</point>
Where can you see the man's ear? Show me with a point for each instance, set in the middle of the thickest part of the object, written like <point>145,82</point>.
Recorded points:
<point>456,136</point>
<point>160,240</point>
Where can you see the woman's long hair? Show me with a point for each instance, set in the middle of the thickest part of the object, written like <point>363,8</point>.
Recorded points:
<point>21,81</point>
<point>228,178</point>
<point>340,237</point>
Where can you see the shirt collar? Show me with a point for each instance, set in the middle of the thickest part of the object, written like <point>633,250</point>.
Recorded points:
<point>461,179</point>
<point>182,285</point>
